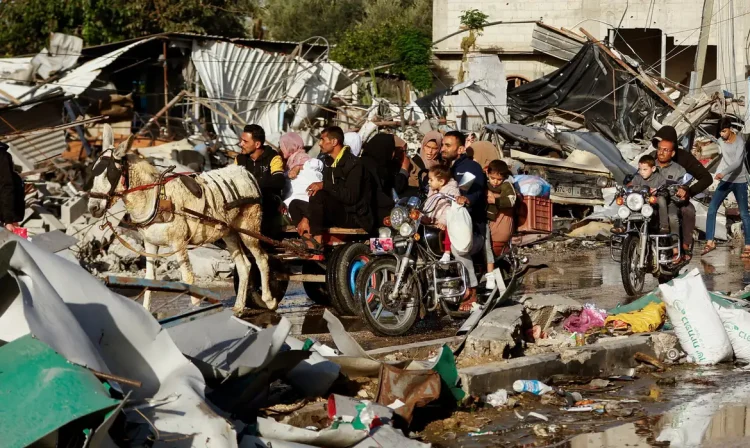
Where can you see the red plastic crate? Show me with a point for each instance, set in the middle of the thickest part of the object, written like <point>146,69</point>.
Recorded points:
<point>534,215</point>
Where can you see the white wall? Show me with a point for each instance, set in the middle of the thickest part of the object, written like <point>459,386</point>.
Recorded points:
<point>678,18</point>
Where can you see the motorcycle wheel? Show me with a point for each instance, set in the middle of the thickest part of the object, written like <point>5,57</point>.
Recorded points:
<point>385,317</point>
<point>633,278</point>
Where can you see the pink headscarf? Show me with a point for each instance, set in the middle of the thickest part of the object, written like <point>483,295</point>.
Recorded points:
<point>293,150</point>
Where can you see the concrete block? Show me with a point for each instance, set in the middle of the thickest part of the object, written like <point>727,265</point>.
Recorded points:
<point>497,333</point>
<point>210,262</point>
<point>121,253</point>
<point>73,209</point>
<point>600,359</point>
<point>49,219</point>
<point>547,310</point>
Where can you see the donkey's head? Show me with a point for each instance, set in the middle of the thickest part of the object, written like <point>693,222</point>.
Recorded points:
<point>110,173</point>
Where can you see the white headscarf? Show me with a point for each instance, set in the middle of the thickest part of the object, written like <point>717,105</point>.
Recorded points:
<point>354,142</point>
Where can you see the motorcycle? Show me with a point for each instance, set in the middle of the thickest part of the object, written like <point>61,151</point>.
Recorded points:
<point>405,279</point>
<point>641,248</point>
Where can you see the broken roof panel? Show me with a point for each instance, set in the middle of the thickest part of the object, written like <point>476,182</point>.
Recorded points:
<point>556,42</point>
<point>37,146</point>
<point>247,85</point>
<point>73,83</point>
<point>592,84</point>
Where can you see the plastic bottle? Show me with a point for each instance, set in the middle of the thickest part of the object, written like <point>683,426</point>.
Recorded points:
<point>534,386</point>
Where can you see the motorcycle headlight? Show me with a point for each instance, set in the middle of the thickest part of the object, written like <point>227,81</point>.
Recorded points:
<point>384,232</point>
<point>399,215</point>
<point>623,212</point>
<point>635,201</point>
<point>406,230</point>
<point>647,210</point>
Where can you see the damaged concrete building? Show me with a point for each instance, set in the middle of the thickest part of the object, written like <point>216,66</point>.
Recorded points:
<point>651,32</point>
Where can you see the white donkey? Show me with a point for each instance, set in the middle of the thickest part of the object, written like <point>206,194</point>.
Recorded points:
<point>120,174</point>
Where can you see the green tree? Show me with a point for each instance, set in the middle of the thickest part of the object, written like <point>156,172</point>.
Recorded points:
<point>26,24</point>
<point>297,20</point>
<point>394,37</point>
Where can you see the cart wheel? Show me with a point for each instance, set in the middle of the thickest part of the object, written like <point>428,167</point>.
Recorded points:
<point>351,260</point>
<point>331,283</point>
<point>278,287</point>
<point>316,291</point>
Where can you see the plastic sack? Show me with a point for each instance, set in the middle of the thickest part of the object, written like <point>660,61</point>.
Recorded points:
<point>529,185</point>
<point>458,223</point>
<point>587,319</point>
<point>696,322</point>
<point>650,318</point>
<point>737,325</point>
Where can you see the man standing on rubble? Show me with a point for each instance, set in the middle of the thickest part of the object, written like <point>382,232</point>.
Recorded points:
<point>267,166</point>
<point>673,164</point>
<point>12,196</point>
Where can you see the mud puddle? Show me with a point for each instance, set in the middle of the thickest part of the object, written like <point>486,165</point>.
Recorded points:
<point>684,407</point>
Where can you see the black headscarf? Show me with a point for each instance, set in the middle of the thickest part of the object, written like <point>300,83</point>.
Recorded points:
<point>377,157</point>
<point>378,153</point>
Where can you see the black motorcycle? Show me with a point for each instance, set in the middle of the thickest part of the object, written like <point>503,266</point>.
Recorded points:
<point>405,279</point>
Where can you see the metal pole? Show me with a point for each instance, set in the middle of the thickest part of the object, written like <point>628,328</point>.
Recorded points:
<point>663,71</point>
<point>166,87</point>
<point>700,55</point>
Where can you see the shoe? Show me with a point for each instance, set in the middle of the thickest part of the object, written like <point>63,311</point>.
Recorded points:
<point>445,258</point>
<point>490,284</point>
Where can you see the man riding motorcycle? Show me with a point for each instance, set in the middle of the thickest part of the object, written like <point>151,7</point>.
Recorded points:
<point>673,163</point>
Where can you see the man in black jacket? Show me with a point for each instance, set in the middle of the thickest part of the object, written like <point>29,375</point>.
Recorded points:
<point>267,167</point>
<point>673,163</point>
<point>12,195</point>
<point>343,199</point>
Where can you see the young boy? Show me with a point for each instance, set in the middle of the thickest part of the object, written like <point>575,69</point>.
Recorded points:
<point>648,176</point>
<point>440,181</point>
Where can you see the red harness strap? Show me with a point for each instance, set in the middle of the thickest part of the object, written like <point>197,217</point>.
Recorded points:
<point>157,184</point>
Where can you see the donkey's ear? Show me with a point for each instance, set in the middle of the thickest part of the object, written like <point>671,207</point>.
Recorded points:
<point>124,148</point>
<point>108,138</point>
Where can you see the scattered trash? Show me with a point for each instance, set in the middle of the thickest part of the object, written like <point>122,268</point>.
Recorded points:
<point>648,319</point>
<point>497,398</point>
<point>697,324</point>
<point>588,318</point>
<point>539,416</point>
<point>737,326</point>
<point>533,386</point>
<point>654,393</point>
<point>642,357</point>
<point>599,383</point>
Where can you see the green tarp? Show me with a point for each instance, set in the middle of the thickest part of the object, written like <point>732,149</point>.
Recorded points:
<point>40,391</point>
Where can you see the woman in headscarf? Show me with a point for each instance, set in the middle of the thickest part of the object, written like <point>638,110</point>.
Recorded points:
<point>354,142</point>
<point>293,152</point>
<point>429,156</point>
<point>483,153</point>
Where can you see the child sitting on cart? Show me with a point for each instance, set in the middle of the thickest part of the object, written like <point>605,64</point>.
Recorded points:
<point>440,181</point>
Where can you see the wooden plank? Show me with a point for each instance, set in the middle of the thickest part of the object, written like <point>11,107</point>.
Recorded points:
<point>630,70</point>
<point>302,278</point>
<point>332,231</point>
<point>10,97</point>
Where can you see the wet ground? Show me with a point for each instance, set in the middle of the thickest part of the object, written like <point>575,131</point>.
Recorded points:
<point>592,277</point>
<point>683,407</point>
<point>588,276</point>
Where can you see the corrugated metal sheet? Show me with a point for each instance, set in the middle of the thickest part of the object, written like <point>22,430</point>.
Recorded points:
<point>38,146</point>
<point>75,82</point>
<point>254,86</point>
<point>555,42</point>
